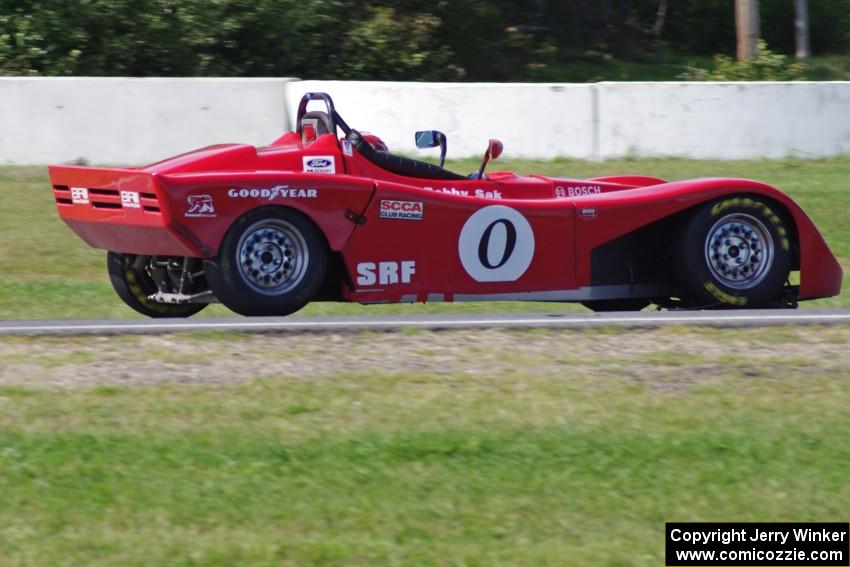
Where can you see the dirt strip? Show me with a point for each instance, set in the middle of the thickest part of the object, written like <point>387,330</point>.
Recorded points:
<point>219,358</point>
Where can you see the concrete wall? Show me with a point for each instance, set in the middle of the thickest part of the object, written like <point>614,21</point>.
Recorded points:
<point>133,121</point>
<point>136,121</point>
<point>540,120</point>
<point>724,120</point>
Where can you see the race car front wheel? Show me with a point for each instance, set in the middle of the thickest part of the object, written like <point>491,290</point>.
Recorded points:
<point>133,281</point>
<point>735,252</point>
<point>272,261</point>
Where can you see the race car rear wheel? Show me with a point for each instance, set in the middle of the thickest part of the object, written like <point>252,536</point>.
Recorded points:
<point>133,282</point>
<point>735,252</point>
<point>272,261</point>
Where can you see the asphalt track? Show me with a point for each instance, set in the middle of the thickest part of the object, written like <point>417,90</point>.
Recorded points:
<point>730,318</point>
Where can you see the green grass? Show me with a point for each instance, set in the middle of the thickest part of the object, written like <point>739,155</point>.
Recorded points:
<point>554,464</point>
<point>46,271</point>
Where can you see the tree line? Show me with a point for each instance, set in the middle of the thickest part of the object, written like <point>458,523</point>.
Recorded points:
<point>492,40</point>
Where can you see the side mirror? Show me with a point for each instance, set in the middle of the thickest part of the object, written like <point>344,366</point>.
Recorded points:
<point>432,139</point>
<point>494,150</point>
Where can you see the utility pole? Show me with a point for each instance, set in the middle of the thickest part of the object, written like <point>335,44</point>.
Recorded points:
<point>747,27</point>
<point>801,28</point>
<point>660,16</point>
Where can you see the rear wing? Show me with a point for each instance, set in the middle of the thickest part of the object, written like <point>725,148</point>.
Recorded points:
<point>104,189</point>
<point>123,210</point>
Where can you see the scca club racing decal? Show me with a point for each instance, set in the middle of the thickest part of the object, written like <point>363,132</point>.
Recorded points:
<point>496,244</point>
<point>405,210</point>
<point>319,164</point>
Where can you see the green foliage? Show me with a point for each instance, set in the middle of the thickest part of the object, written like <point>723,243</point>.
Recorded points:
<point>388,45</point>
<point>22,47</point>
<point>492,40</point>
<point>308,38</point>
<point>764,66</point>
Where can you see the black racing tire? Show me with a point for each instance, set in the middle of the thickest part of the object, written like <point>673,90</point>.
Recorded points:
<point>609,305</point>
<point>736,251</point>
<point>272,261</point>
<point>133,285</point>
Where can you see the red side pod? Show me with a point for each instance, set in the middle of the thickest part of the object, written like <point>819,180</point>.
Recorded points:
<point>442,238</point>
<point>333,202</point>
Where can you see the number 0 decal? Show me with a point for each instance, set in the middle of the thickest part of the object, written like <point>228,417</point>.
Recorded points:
<point>496,244</point>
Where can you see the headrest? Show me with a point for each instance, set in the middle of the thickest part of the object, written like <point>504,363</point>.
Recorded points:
<point>313,125</point>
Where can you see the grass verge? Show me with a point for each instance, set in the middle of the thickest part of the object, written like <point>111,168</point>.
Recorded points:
<point>456,449</point>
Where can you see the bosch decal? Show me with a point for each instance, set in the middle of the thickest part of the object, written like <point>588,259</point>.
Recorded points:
<point>319,164</point>
<point>580,190</point>
<point>385,273</point>
<point>270,194</point>
<point>404,210</point>
<point>200,206</point>
<point>496,244</point>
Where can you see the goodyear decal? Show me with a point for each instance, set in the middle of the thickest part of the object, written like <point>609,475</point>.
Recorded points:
<point>721,295</point>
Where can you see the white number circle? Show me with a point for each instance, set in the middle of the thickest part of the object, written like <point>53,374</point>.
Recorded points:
<point>496,244</point>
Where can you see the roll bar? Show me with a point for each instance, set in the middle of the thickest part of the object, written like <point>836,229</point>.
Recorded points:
<point>302,109</point>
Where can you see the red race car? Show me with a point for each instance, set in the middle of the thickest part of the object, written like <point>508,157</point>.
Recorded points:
<point>317,217</point>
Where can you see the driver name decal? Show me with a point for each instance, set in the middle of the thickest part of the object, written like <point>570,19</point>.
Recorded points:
<point>479,193</point>
<point>496,244</point>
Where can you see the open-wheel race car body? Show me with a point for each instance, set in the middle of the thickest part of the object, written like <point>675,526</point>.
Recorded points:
<point>327,213</point>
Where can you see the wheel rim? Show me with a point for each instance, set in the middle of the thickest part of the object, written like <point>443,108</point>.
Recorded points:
<point>739,251</point>
<point>272,256</point>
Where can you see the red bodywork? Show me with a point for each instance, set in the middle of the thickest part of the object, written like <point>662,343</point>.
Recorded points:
<point>403,238</point>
